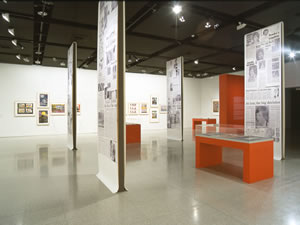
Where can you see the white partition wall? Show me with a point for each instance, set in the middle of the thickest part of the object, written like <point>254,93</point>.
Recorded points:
<point>72,115</point>
<point>264,85</point>
<point>174,94</point>
<point>111,71</point>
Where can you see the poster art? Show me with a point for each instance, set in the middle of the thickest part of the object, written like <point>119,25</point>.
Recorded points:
<point>263,84</point>
<point>43,117</point>
<point>174,94</point>
<point>133,108</point>
<point>163,109</point>
<point>144,108</point>
<point>43,100</point>
<point>24,109</point>
<point>58,109</point>
<point>154,101</point>
<point>154,116</point>
<point>78,109</point>
<point>215,106</point>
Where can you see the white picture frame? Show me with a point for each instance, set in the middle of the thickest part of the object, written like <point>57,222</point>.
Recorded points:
<point>55,112</point>
<point>43,119</point>
<point>154,115</point>
<point>43,100</point>
<point>133,108</point>
<point>163,109</point>
<point>18,113</point>
<point>78,109</point>
<point>144,108</point>
<point>154,101</point>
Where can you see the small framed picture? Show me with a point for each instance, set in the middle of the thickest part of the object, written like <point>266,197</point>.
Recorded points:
<point>215,106</point>
<point>43,117</point>
<point>24,109</point>
<point>43,100</point>
<point>78,109</point>
<point>154,116</point>
<point>163,109</point>
<point>133,109</point>
<point>144,110</point>
<point>58,109</point>
<point>154,101</point>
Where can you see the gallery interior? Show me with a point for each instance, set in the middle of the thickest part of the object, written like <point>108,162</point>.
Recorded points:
<point>149,112</point>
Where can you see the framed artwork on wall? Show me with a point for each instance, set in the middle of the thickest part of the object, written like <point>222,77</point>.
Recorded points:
<point>215,106</point>
<point>163,109</point>
<point>24,109</point>
<point>154,101</point>
<point>154,116</point>
<point>78,109</point>
<point>43,100</point>
<point>133,109</point>
<point>43,117</point>
<point>144,109</point>
<point>58,109</point>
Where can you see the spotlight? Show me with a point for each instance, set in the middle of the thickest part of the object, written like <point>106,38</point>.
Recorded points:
<point>37,62</point>
<point>136,58</point>
<point>42,13</point>
<point>216,26</point>
<point>143,71</point>
<point>26,59</point>
<point>62,64</point>
<point>54,59</point>
<point>207,25</point>
<point>240,26</point>
<point>198,75</point>
<point>4,1</point>
<point>14,42</point>
<point>161,72</point>
<point>130,59</point>
<point>85,66</point>
<point>177,9</point>
<point>5,16</point>
<point>205,74</point>
<point>190,75</point>
<point>18,57</point>
<point>181,19</point>
<point>233,68</point>
<point>292,55</point>
<point>193,36</point>
<point>196,61</point>
<point>38,52</point>
<point>11,31</point>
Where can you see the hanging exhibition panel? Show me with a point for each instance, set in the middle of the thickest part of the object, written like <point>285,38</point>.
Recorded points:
<point>264,85</point>
<point>111,116</point>
<point>72,65</point>
<point>175,103</point>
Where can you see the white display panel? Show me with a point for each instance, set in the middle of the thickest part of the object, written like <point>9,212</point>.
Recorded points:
<point>174,94</point>
<point>264,92</point>
<point>72,65</point>
<point>110,94</point>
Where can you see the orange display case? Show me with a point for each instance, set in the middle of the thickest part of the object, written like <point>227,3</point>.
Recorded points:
<point>257,156</point>
<point>133,133</point>
<point>197,121</point>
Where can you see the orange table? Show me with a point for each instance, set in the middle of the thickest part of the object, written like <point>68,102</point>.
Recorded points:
<point>258,155</point>
<point>200,121</point>
<point>133,133</point>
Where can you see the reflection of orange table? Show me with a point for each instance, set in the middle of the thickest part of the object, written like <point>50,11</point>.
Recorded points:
<point>197,121</point>
<point>133,133</point>
<point>258,155</point>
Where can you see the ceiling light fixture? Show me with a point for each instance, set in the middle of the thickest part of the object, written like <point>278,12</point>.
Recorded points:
<point>42,13</point>
<point>130,59</point>
<point>240,26</point>
<point>54,59</point>
<point>37,62</point>
<point>292,55</point>
<point>233,68</point>
<point>143,71</point>
<point>62,64</point>
<point>198,75</point>
<point>177,9</point>
<point>14,42</point>
<point>38,52</point>
<point>26,59</point>
<point>85,66</point>
<point>136,58</point>
<point>190,75</point>
<point>196,61</point>
<point>4,1</point>
<point>193,36</point>
<point>181,19</point>
<point>207,25</point>
<point>205,74</point>
<point>5,16</point>
<point>11,31</point>
<point>161,72</point>
<point>216,26</point>
<point>18,57</point>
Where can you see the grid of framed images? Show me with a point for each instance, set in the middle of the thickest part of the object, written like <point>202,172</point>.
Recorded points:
<point>143,108</point>
<point>42,109</point>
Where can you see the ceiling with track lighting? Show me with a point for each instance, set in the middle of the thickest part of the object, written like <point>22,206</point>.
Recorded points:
<point>208,34</point>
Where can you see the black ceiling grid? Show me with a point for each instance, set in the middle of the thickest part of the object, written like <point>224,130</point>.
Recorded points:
<point>41,10</point>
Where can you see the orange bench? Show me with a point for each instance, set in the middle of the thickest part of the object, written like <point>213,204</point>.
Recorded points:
<point>258,156</point>
<point>133,133</point>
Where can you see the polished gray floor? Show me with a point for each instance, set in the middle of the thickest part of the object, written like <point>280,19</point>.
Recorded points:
<point>42,183</point>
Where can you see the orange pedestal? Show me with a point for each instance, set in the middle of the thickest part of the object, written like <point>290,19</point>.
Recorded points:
<point>258,157</point>
<point>133,133</point>
<point>197,121</point>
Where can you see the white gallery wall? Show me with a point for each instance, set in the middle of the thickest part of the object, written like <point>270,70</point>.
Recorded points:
<point>23,82</point>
